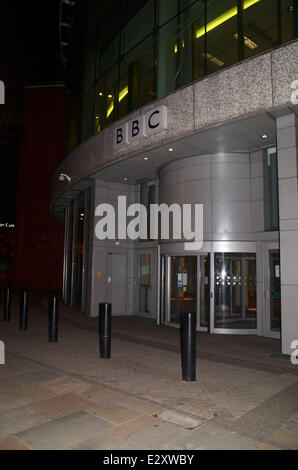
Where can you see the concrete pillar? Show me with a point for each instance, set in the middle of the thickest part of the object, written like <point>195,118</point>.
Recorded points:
<point>287,142</point>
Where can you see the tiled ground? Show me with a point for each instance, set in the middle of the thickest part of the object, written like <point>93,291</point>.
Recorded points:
<point>63,396</point>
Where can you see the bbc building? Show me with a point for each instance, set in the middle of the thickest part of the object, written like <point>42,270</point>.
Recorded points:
<point>187,102</point>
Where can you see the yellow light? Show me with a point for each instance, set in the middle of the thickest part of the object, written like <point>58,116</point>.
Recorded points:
<point>248,42</point>
<point>176,49</point>
<point>123,93</point>
<point>110,109</point>
<point>223,18</point>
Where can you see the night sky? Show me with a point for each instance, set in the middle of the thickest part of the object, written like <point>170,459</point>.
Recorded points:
<point>29,54</point>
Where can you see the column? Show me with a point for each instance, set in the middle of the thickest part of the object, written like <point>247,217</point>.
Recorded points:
<point>287,140</point>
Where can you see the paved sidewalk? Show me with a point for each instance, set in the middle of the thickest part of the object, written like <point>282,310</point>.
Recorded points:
<point>63,396</point>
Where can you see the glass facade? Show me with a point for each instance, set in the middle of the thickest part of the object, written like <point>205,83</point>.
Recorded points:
<point>130,53</point>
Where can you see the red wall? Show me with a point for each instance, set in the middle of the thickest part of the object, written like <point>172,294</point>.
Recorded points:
<point>39,239</point>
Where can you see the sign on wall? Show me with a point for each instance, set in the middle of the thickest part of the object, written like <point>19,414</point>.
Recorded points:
<point>140,127</point>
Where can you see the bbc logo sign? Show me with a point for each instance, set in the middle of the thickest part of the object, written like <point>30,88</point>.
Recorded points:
<point>2,93</point>
<point>140,127</point>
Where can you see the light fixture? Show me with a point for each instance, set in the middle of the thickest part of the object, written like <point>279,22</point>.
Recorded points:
<point>171,149</point>
<point>248,42</point>
<point>100,94</point>
<point>125,179</point>
<point>264,136</point>
<point>63,177</point>
<point>146,158</point>
<point>223,18</point>
<point>110,96</point>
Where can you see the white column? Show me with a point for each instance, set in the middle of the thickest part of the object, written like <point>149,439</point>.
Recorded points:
<point>287,142</point>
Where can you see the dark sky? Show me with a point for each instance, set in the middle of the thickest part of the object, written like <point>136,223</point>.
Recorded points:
<point>29,54</point>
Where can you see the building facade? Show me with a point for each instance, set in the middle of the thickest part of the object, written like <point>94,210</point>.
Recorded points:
<point>180,101</point>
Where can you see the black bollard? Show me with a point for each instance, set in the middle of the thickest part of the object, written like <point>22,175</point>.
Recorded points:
<point>7,304</point>
<point>188,323</point>
<point>104,328</point>
<point>53,319</point>
<point>24,311</point>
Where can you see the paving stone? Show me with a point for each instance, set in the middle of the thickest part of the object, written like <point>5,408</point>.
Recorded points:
<point>125,430</point>
<point>65,433</point>
<point>114,413</point>
<point>101,394</point>
<point>211,437</point>
<point>61,405</point>
<point>19,419</point>
<point>37,376</point>
<point>154,436</point>
<point>286,439</point>
<point>12,443</point>
<point>104,442</point>
<point>66,384</point>
<point>292,426</point>
<point>25,366</point>
<point>9,401</point>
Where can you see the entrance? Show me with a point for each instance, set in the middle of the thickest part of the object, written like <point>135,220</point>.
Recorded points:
<point>235,299</point>
<point>186,288</point>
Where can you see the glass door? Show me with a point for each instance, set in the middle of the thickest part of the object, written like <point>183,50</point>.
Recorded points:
<point>235,303</point>
<point>183,289</point>
<point>274,291</point>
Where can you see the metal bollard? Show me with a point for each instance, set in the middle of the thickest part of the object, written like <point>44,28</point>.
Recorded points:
<point>24,311</point>
<point>188,323</point>
<point>53,319</point>
<point>7,304</point>
<point>104,329</point>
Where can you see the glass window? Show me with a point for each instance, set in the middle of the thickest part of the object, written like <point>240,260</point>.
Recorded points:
<point>289,20</point>
<point>137,77</point>
<point>260,26</point>
<point>107,99</point>
<point>271,190</point>
<point>235,291</point>
<point>140,26</point>
<point>87,123</point>
<point>222,25</point>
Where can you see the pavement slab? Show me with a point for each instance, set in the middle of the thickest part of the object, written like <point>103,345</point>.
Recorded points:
<point>64,433</point>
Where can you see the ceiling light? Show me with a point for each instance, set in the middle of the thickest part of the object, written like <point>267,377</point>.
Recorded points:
<point>171,149</point>
<point>146,158</point>
<point>264,136</point>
